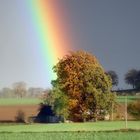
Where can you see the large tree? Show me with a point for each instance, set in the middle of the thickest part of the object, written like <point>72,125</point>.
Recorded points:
<point>131,77</point>
<point>114,77</point>
<point>83,87</point>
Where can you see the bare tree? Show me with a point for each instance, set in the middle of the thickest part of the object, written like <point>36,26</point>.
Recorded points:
<point>35,92</point>
<point>20,89</point>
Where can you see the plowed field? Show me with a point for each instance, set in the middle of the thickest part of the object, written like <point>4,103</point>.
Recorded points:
<point>8,113</point>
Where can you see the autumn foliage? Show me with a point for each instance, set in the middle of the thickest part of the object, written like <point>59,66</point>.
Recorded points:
<point>83,81</point>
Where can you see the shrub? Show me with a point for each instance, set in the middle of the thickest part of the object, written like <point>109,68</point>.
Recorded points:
<point>20,116</point>
<point>134,109</point>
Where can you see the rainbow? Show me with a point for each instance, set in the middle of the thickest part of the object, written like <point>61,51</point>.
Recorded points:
<point>51,25</point>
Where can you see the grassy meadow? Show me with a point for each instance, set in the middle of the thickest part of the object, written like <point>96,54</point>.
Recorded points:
<point>36,101</point>
<point>71,131</point>
<point>63,127</point>
<point>71,136</point>
<point>19,101</point>
<point>121,99</point>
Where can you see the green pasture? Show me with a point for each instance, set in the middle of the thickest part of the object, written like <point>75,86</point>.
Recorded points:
<point>35,101</point>
<point>121,99</point>
<point>71,131</point>
<point>63,127</point>
<point>71,136</point>
<point>19,101</point>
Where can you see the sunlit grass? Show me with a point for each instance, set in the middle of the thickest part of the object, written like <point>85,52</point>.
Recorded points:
<point>61,127</point>
<point>71,131</point>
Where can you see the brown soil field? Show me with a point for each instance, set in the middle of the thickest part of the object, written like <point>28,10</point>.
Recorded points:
<point>9,113</point>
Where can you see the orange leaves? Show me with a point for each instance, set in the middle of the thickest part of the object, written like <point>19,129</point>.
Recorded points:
<point>73,103</point>
<point>82,79</point>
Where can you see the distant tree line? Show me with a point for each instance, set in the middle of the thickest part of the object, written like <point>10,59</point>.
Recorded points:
<point>132,77</point>
<point>20,90</point>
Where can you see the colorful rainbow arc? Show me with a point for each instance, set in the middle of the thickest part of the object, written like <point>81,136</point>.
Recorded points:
<point>51,27</point>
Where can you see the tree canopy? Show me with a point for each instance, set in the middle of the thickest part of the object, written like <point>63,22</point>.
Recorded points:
<point>114,77</point>
<point>83,87</point>
<point>132,77</point>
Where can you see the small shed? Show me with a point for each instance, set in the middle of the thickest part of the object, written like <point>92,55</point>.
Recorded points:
<point>46,115</point>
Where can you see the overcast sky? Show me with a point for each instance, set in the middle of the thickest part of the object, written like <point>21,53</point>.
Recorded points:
<point>110,29</point>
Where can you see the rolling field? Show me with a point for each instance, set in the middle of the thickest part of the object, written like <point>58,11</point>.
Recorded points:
<point>30,106</point>
<point>36,101</point>
<point>102,130</point>
<point>71,131</point>
<point>19,101</point>
<point>9,108</point>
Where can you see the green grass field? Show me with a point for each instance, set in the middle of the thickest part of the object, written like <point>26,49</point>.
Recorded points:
<point>71,131</point>
<point>91,126</point>
<point>35,101</point>
<point>121,99</point>
<point>20,101</point>
<point>68,131</point>
<point>71,136</point>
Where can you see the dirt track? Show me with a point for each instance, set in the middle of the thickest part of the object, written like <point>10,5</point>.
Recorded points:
<point>8,113</point>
